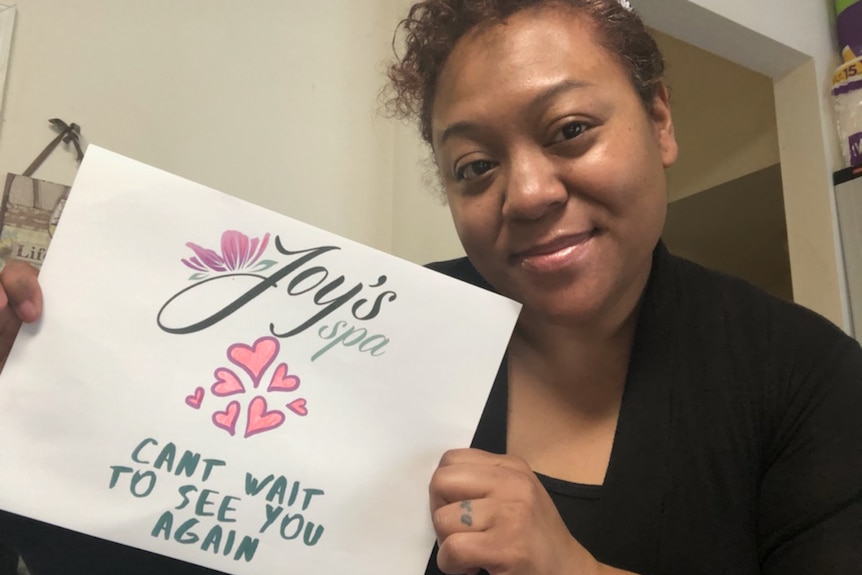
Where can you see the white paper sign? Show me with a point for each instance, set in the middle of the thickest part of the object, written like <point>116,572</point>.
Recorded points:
<point>224,385</point>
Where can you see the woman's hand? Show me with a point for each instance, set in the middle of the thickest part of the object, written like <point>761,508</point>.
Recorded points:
<point>491,512</point>
<point>20,301</point>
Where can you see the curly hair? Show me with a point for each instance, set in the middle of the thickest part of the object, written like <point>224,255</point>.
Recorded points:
<point>433,27</point>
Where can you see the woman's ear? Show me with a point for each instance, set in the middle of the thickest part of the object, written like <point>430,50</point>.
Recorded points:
<point>663,123</point>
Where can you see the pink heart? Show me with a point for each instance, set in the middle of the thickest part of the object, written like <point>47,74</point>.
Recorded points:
<point>259,419</point>
<point>196,398</point>
<point>281,381</point>
<point>227,383</point>
<point>298,407</point>
<point>256,358</point>
<point>227,419</point>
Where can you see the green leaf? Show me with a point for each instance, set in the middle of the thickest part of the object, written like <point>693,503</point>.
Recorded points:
<point>263,265</point>
<point>198,276</point>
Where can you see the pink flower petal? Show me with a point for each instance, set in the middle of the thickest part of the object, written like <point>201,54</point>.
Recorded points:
<point>234,248</point>
<point>245,253</point>
<point>251,251</point>
<point>194,264</point>
<point>209,258</point>
<point>259,253</point>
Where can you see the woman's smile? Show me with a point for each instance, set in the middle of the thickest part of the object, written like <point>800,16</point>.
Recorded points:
<point>562,252</point>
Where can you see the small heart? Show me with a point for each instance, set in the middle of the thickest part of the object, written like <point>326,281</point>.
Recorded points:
<point>227,383</point>
<point>281,381</point>
<point>256,358</point>
<point>227,419</point>
<point>194,400</point>
<point>298,407</point>
<point>259,419</point>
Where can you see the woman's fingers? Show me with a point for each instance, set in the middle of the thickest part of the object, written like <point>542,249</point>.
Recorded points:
<point>20,301</point>
<point>466,516</point>
<point>461,552</point>
<point>21,295</point>
<point>471,474</point>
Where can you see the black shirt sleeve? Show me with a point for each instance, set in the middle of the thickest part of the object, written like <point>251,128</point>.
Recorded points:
<point>810,498</point>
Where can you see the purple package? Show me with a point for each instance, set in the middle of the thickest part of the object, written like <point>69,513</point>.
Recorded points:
<point>849,27</point>
<point>855,143</point>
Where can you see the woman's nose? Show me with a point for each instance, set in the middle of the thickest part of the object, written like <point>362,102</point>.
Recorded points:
<point>533,188</point>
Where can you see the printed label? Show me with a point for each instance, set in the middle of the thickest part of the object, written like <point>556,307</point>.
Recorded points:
<point>855,142</point>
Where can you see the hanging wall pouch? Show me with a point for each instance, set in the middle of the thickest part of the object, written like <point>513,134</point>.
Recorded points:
<point>31,207</point>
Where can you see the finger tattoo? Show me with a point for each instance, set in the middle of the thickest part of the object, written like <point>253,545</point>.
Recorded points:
<point>467,516</point>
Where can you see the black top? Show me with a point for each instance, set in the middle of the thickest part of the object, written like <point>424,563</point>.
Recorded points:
<point>738,448</point>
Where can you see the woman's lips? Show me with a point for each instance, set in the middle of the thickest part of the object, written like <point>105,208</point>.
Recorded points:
<point>555,254</point>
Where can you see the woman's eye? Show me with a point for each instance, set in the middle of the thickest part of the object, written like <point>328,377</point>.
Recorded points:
<point>474,169</point>
<point>569,132</point>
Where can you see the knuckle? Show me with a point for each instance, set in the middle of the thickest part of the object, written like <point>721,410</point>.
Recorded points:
<point>438,480</point>
<point>448,458</point>
<point>532,495</point>
<point>440,520</point>
<point>454,550</point>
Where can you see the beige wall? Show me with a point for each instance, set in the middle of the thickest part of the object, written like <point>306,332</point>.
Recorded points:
<point>422,229</point>
<point>724,117</point>
<point>270,100</point>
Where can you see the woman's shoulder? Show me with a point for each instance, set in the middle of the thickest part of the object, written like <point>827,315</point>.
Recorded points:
<point>747,316</point>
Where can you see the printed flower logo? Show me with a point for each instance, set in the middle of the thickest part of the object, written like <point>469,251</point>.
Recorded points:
<point>238,253</point>
<point>254,360</point>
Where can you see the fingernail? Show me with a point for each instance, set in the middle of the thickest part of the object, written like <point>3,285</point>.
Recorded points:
<point>27,311</point>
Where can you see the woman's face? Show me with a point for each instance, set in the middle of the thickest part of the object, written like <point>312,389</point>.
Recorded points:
<point>553,168</point>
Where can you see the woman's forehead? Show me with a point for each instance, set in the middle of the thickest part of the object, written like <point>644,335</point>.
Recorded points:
<point>530,52</point>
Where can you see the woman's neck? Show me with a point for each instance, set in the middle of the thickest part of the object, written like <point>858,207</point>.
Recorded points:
<point>566,387</point>
<point>556,351</point>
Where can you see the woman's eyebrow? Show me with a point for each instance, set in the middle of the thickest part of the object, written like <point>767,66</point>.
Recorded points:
<point>539,101</point>
<point>548,94</point>
<point>457,129</point>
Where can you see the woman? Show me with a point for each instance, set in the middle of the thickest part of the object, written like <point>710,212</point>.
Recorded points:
<point>655,417</point>
<point>679,421</point>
